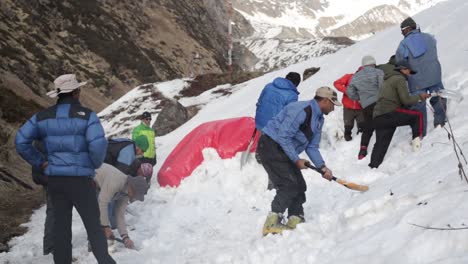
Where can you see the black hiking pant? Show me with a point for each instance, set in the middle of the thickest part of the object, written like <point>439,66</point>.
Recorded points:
<point>151,161</point>
<point>385,126</point>
<point>79,192</point>
<point>48,240</point>
<point>366,125</point>
<point>349,116</point>
<point>285,176</point>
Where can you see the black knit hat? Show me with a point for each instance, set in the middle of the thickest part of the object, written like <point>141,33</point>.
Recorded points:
<point>408,22</point>
<point>294,77</point>
<point>145,115</point>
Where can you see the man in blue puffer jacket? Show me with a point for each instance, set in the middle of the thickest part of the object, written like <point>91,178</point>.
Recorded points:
<point>419,50</point>
<point>75,146</point>
<point>275,96</point>
<point>296,128</point>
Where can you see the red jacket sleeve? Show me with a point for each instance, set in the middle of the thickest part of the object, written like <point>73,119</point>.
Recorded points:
<point>342,83</point>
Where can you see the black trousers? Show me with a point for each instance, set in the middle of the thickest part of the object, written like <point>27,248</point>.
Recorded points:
<point>349,116</point>
<point>285,176</point>
<point>152,161</point>
<point>48,241</point>
<point>385,126</point>
<point>367,127</point>
<point>79,192</point>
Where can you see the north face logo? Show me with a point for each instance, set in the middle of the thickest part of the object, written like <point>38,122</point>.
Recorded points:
<point>81,113</point>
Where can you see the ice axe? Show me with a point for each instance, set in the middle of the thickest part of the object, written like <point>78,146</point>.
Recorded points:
<point>349,185</point>
<point>246,154</point>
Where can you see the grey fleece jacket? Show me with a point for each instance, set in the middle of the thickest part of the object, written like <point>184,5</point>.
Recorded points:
<point>365,85</point>
<point>113,187</point>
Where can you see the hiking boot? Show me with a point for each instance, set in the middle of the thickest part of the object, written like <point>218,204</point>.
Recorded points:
<point>273,224</point>
<point>362,152</point>
<point>416,143</point>
<point>348,137</point>
<point>347,133</point>
<point>294,220</point>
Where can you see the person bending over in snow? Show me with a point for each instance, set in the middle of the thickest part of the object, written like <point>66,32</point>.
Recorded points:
<point>389,112</point>
<point>119,189</point>
<point>296,128</point>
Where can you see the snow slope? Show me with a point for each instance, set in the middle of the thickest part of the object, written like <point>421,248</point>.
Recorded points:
<point>216,215</point>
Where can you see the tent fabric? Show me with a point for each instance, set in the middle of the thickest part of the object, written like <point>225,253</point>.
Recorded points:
<point>227,136</point>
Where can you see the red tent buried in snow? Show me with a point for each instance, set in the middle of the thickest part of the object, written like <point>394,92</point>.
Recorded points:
<point>227,136</point>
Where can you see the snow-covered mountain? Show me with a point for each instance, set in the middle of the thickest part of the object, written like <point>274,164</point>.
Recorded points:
<point>217,213</point>
<point>277,53</point>
<point>317,18</point>
<point>288,27</point>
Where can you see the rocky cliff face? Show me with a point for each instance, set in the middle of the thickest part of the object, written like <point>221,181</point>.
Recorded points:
<point>115,44</point>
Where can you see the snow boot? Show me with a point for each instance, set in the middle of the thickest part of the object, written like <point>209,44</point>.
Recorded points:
<point>362,153</point>
<point>347,134</point>
<point>273,224</point>
<point>416,143</point>
<point>294,220</point>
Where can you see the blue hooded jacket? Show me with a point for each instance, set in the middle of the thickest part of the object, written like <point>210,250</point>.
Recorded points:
<point>294,134</point>
<point>274,97</point>
<point>420,51</point>
<point>73,139</point>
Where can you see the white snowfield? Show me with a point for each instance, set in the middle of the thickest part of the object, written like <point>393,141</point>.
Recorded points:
<point>217,213</point>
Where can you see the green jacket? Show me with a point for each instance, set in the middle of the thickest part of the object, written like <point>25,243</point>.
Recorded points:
<point>149,133</point>
<point>394,94</point>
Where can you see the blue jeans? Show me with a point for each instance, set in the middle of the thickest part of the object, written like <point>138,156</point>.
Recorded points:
<point>438,103</point>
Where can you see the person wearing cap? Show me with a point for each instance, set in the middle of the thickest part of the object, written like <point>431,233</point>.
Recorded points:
<point>120,189</point>
<point>144,129</point>
<point>75,147</point>
<point>123,153</point>
<point>297,128</point>
<point>364,87</point>
<point>275,96</point>
<point>419,50</point>
<point>352,109</point>
<point>390,112</point>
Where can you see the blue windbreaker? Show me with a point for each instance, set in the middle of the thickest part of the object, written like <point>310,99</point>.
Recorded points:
<point>291,131</point>
<point>420,51</point>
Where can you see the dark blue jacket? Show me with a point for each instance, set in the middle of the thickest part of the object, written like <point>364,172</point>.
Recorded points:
<point>274,97</point>
<point>121,154</point>
<point>73,137</point>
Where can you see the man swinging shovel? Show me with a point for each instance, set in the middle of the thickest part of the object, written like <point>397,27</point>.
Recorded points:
<point>297,128</point>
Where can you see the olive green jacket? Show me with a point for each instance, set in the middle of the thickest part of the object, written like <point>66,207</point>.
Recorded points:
<point>394,94</point>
